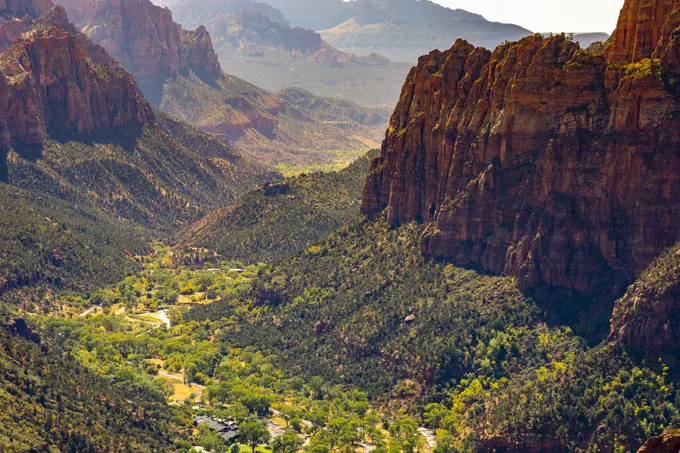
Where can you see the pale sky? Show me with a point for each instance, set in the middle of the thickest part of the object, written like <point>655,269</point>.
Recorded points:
<point>547,15</point>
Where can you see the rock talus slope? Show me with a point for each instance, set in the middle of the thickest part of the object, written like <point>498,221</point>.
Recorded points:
<point>541,160</point>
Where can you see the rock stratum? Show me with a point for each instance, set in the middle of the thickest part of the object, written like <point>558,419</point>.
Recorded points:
<point>667,443</point>
<point>541,160</point>
<point>54,80</point>
<point>143,37</point>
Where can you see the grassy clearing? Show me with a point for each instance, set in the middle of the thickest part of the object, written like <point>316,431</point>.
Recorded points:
<point>341,160</point>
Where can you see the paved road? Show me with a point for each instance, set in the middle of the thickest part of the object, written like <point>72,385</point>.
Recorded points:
<point>162,316</point>
<point>88,311</point>
<point>177,378</point>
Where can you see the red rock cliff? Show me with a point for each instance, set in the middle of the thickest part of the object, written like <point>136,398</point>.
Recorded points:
<point>58,80</point>
<point>143,36</point>
<point>540,160</point>
<point>668,443</point>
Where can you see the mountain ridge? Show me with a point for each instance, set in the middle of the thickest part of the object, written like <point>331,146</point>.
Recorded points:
<point>180,73</point>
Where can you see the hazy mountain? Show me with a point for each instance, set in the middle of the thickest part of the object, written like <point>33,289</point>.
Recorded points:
<point>179,72</point>
<point>587,39</point>
<point>402,30</point>
<point>256,42</point>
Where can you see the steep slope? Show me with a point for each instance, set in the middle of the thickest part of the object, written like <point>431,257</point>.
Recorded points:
<point>648,316</point>
<point>266,125</point>
<point>275,221</point>
<point>467,351</point>
<point>48,241</point>
<point>179,72</point>
<point>256,43</point>
<point>20,8</point>
<point>50,403</point>
<point>97,172</point>
<point>540,160</point>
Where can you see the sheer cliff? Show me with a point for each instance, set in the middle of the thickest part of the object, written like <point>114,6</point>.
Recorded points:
<point>541,160</point>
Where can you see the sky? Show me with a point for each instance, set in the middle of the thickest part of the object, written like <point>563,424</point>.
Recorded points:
<point>547,15</point>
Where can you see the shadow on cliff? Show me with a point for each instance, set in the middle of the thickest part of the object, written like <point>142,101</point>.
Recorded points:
<point>126,136</point>
<point>588,314</point>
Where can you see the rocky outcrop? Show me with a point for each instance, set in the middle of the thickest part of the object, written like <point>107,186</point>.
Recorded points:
<point>52,83</point>
<point>18,8</point>
<point>647,318</point>
<point>199,51</point>
<point>639,29</point>
<point>13,28</point>
<point>668,443</point>
<point>143,37</point>
<point>540,160</point>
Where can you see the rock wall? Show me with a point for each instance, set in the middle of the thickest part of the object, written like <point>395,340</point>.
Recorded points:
<point>647,318</point>
<point>540,160</point>
<point>668,443</point>
<point>143,36</point>
<point>33,8</point>
<point>57,80</point>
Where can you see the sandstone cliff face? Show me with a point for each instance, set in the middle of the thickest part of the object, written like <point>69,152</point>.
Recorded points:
<point>143,36</point>
<point>51,82</point>
<point>668,443</point>
<point>647,318</point>
<point>540,160</point>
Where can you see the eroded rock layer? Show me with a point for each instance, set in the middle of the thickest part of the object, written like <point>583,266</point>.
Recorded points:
<point>54,78</point>
<point>667,443</point>
<point>540,160</point>
<point>143,36</point>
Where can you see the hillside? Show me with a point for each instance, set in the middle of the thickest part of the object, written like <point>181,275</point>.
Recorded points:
<point>647,315</point>
<point>406,41</point>
<point>181,75</point>
<point>466,351</point>
<point>269,127</point>
<point>50,401</point>
<point>281,219</point>
<point>98,171</point>
<point>257,43</point>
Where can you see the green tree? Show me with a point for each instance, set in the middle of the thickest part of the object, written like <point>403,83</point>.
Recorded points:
<point>404,432</point>
<point>253,433</point>
<point>290,442</point>
<point>190,373</point>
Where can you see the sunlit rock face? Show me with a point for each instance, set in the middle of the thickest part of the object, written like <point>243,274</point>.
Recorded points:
<point>540,160</point>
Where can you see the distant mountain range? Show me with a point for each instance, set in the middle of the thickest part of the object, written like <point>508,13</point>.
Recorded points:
<point>401,30</point>
<point>179,72</point>
<point>255,41</point>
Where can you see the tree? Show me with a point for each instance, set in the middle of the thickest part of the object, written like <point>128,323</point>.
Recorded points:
<point>405,434</point>
<point>190,373</point>
<point>287,413</point>
<point>290,442</point>
<point>252,432</point>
